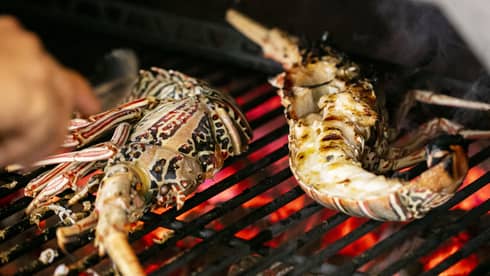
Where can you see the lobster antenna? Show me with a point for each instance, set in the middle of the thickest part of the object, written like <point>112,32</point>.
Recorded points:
<point>250,28</point>
<point>276,44</point>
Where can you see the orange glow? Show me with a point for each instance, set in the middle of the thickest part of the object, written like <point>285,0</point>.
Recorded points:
<point>261,109</point>
<point>287,210</point>
<point>252,94</point>
<point>159,234</point>
<point>358,246</point>
<point>479,196</point>
<point>188,242</point>
<point>83,181</point>
<point>463,267</point>
<point>270,148</point>
<point>248,232</point>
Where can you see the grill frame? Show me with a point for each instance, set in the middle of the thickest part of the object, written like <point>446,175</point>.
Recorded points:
<point>287,253</point>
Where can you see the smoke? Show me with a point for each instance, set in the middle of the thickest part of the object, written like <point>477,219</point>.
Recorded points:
<point>479,91</point>
<point>419,34</point>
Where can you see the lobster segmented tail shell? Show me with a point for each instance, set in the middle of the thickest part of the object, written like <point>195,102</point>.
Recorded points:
<point>413,200</point>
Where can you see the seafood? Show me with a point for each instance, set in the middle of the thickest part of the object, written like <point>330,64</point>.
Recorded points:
<point>172,134</point>
<point>340,142</point>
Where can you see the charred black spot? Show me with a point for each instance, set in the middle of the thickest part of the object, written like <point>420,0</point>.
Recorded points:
<point>325,148</point>
<point>329,158</point>
<point>332,118</point>
<point>346,181</point>
<point>332,136</point>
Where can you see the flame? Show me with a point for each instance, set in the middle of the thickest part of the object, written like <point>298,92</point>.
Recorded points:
<point>463,267</point>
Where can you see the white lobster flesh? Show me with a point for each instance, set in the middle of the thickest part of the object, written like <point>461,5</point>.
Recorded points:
<point>172,134</point>
<point>340,143</point>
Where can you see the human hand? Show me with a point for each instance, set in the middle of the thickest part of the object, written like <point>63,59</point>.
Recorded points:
<point>38,96</point>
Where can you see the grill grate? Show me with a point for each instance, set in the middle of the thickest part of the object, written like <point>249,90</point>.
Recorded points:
<point>287,253</point>
<point>209,230</point>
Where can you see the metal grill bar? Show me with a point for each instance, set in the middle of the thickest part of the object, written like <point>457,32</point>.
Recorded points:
<point>14,207</point>
<point>434,240</point>
<point>253,103</point>
<point>22,203</point>
<point>265,235</point>
<point>21,248</point>
<point>228,232</point>
<point>287,252</point>
<point>93,259</point>
<point>318,258</point>
<point>465,251</point>
<point>409,229</point>
<point>288,248</point>
<point>482,269</point>
<point>197,199</point>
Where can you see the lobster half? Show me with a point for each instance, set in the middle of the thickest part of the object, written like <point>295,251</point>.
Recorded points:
<point>339,140</point>
<point>172,134</point>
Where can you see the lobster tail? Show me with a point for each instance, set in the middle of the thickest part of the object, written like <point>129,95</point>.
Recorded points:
<point>448,166</point>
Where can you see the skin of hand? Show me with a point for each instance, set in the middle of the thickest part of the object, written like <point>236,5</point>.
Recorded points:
<point>38,96</point>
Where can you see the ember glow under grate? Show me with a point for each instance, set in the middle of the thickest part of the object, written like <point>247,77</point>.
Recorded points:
<point>252,217</point>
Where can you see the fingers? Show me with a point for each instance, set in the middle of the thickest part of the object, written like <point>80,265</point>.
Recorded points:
<point>84,99</point>
<point>38,96</point>
<point>9,22</point>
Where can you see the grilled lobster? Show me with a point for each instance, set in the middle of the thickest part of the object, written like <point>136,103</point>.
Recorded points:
<point>339,140</point>
<point>172,134</point>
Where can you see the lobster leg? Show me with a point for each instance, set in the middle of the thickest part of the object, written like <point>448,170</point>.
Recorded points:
<point>408,151</point>
<point>66,176</point>
<point>101,151</point>
<point>67,234</point>
<point>58,184</point>
<point>385,165</point>
<point>78,123</point>
<point>102,122</point>
<point>38,183</point>
<point>84,190</point>
<point>429,97</point>
<point>417,139</point>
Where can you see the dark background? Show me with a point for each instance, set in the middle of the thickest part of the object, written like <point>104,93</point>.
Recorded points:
<point>385,33</point>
